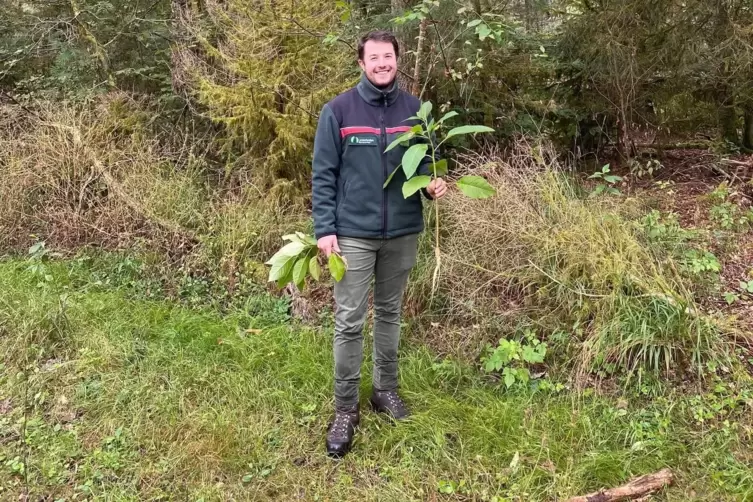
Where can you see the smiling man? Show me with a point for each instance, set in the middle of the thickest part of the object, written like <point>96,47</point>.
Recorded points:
<point>374,228</point>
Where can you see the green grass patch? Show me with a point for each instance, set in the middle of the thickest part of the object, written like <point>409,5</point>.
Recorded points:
<point>140,399</point>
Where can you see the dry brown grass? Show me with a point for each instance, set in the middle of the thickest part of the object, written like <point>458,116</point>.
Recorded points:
<point>105,175</point>
<point>541,253</point>
<point>83,175</point>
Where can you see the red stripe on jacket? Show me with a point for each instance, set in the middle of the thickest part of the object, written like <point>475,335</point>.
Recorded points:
<point>371,130</point>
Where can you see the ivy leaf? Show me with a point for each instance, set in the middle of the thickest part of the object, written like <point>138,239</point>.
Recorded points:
<point>314,268</point>
<point>400,139</point>
<point>424,111</point>
<point>468,129</point>
<point>475,22</point>
<point>415,184</point>
<point>475,187</point>
<point>413,157</point>
<point>336,266</point>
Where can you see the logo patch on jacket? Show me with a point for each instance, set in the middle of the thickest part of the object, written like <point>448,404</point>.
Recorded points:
<point>357,140</point>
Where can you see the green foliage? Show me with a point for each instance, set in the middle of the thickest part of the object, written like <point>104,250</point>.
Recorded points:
<point>264,77</point>
<point>75,49</point>
<point>747,286</point>
<point>142,369</point>
<point>701,262</point>
<point>512,358</point>
<point>475,187</point>
<point>609,180</point>
<point>727,214</point>
<point>640,169</point>
<point>426,132</point>
<point>665,229</point>
<point>298,259</point>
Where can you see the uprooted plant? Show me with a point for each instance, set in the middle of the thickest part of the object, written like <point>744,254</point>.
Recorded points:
<point>474,187</point>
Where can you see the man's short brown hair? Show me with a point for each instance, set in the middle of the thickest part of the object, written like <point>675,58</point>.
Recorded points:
<point>378,36</point>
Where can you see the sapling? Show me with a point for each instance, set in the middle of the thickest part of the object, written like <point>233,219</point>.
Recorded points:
<point>426,131</point>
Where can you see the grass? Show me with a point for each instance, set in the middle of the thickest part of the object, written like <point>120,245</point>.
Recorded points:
<point>544,250</point>
<point>139,399</point>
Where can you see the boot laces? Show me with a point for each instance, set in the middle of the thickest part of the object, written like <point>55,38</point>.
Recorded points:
<point>395,401</point>
<point>341,423</point>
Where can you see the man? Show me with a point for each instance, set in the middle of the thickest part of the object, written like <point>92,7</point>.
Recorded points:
<point>374,228</point>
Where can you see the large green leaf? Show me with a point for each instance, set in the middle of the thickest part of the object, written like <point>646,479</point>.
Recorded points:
<point>441,168</point>
<point>413,157</point>
<point>415,184</point>
<point>290,249</point>
<point>400,139</point>
<point>475,187</point>
<point>299,271</point>
<point>447,115</point>
<point>287,277</point>
<point>389,178</point>
<point>483,31</point>
<point>314,268</point>
<point>467,129</point>
<point>282,268</point>
<point>424,111</point>
<point>307,239</point>
<point>336,266</point>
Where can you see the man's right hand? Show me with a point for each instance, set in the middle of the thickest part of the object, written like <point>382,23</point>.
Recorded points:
<point>327,244</point>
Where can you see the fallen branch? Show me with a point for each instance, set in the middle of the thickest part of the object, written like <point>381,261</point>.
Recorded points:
<point>637,488</point>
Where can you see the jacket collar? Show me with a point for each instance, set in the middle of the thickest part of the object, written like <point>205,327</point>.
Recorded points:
<point>375,96</point>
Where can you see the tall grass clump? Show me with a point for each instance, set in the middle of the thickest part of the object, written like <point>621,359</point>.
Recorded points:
<point>117,173</point>
<point>94,174</point>
<point>577,266</point>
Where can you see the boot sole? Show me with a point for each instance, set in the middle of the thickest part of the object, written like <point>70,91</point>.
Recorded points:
<point>338,453</point>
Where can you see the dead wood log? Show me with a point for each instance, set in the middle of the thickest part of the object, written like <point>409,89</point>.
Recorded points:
<point>635,489</point>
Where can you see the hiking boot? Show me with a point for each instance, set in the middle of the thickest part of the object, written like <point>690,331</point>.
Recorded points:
<point>341,431</point>
<point>389,402</point>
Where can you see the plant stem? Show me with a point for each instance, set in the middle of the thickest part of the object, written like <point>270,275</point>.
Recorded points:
<point>437,254</point>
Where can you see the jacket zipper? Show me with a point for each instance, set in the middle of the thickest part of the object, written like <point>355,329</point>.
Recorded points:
<point>383,141</point>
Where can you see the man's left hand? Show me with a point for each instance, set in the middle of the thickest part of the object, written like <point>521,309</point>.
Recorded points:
<point>437,188</point>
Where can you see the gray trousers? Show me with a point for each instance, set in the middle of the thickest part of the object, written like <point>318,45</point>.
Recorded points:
<point>389,263</point>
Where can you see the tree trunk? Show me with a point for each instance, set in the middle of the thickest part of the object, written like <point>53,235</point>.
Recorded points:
<point>728,122</point>
<point>748,127</point>
<point>416,88</point>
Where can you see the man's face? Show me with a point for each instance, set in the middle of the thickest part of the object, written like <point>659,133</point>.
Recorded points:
<point>379,62</point>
